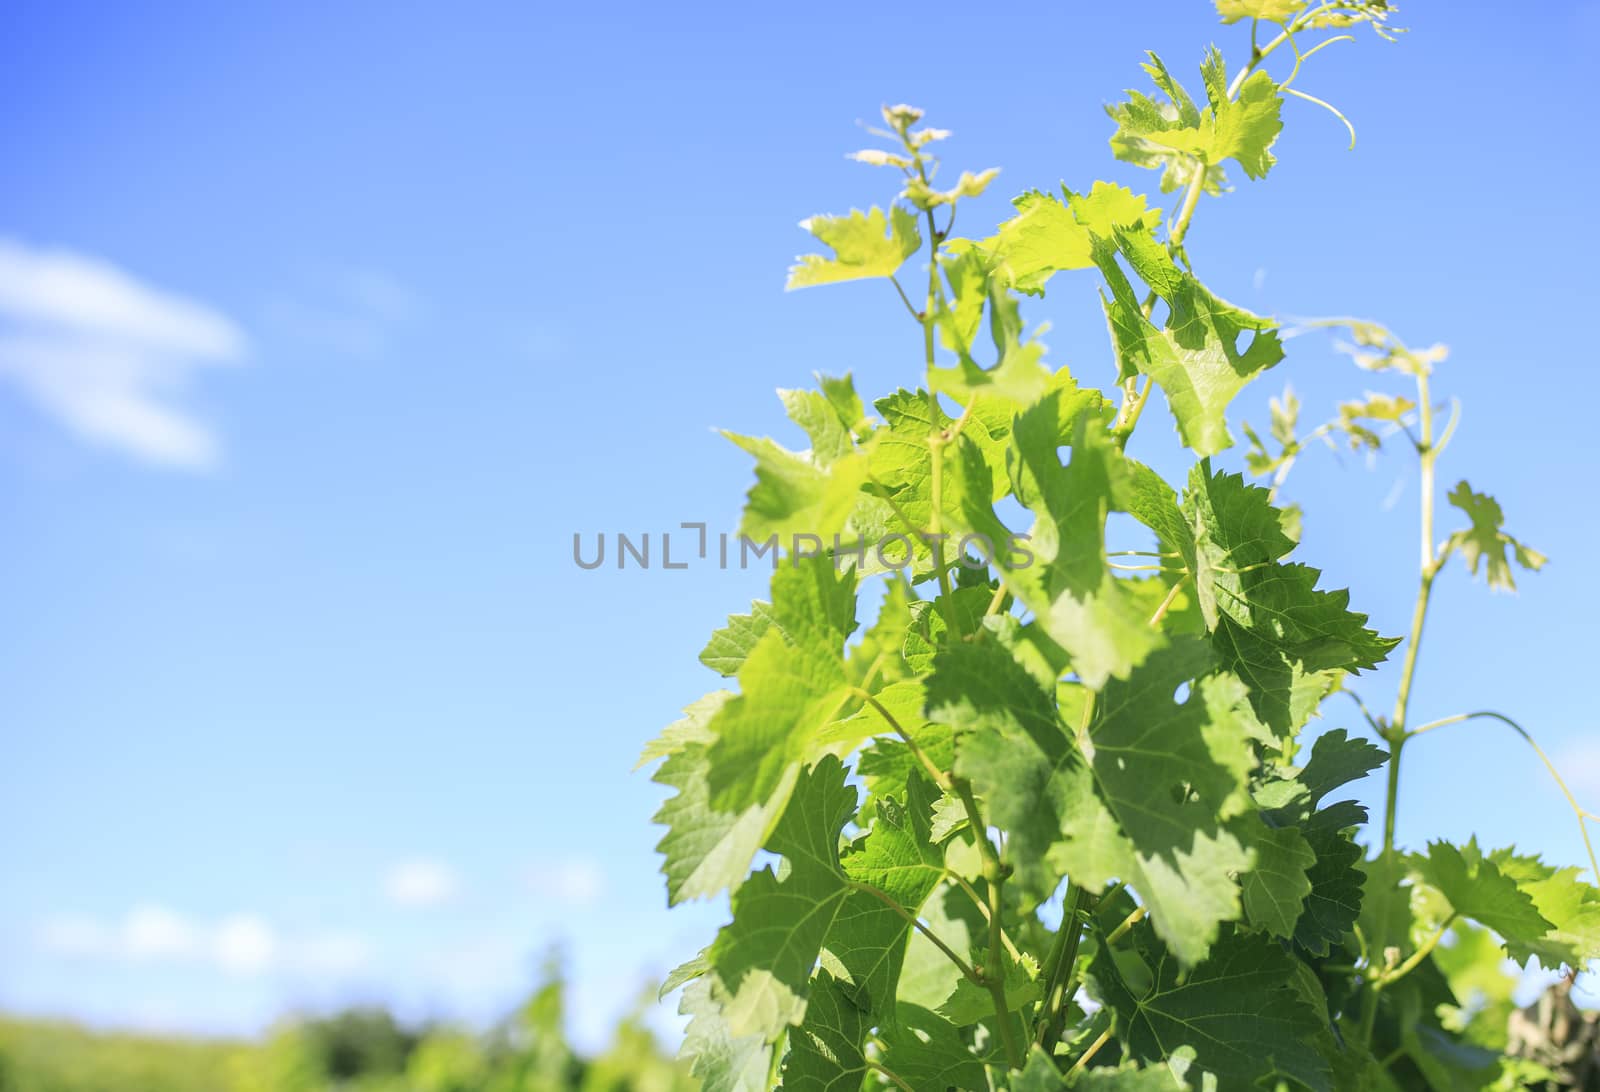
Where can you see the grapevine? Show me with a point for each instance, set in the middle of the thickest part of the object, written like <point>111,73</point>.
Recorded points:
<point>1062,816</point>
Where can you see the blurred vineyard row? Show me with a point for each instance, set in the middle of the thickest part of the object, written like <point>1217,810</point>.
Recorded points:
<point>359,1050</point>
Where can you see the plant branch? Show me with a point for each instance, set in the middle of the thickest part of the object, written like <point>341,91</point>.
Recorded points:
<point>1581,812</point>
<point>894,1078</point>
<point>1416,957</point>
<point>905,299</point>
<point>1061,965</point>
<point>994,875</point>
<point>972,974</point>
<point>1089,1052</point>
<point>1128,923</point>
<point>940,778</point>
<point>1396,735</point>
<point>1166,604</point>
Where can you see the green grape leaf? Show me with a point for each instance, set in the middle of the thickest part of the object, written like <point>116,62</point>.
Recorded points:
<point>1239,1010</point>
<point>763,959</point>
<point>897,857</point>
<point>820,419</point>
<point>1194,358</point>
<point>1068,585</point>
<point>1244,128</point>
<point>1011,746</point>
<point>927,1051</point>
<point>925,197</point>
<point>793,495</point>
<point>1276,887</point>
<point>1180,138</point>
<point>1379,408</point>
<point>864,244</point>
<point>693,727</point>
<point>1484,542</point>
<point>1476,888</point>
<point>1338,758</point>
<point>1334,904</point>
<point>793,685</point>
<point>731,645</point>
<point>1275,11</point>
<point>706,849</point>
<point>1560,896</point>
<point>1019,378</point>
<point>1041,1075</point>
<point>840,391</point>
<point>1050,235</point>
<point>1270,623</point>
<point>719,1059</point>
<point>901,467</point>
<point>825,1051</point>
<point>1172,773</point>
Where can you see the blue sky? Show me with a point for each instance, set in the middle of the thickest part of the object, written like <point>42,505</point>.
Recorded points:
<point>324,329</point>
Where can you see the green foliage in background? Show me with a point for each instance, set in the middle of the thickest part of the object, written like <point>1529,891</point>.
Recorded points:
<point>1056,818</point>
<point>359,1050</point>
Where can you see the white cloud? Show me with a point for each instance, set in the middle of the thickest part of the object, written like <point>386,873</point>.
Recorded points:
<point>109,356</point>
<point>331,953</point>
<point>154,932</point>
<point>1579,763</point>
<point>244,944</point>
<point>420,882</point>
<point>76,935</point>
<point>577,881</point>
<point>239,944</point>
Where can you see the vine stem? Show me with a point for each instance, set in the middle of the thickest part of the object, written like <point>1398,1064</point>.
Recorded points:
<point>1089,1052</point>
<point>1061,964</point>
<point>1369,1014</point>
<point>1134,918</point>
<point>1582,813</point>
<point>994,971</point>
<point>1134,399</point>
<point>1431,562</point>
<point>1166,604</point>
<point>1414,960</point>
<point>894,1078</point>
<point>940,778</point>
<point>1395,734</point>
<point>884,897</point>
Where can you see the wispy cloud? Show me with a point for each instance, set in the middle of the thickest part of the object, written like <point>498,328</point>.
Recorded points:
<point>239,944</point>
<point>574,882</point>
<point>421,882</point>
<point>353,312</point>
<point>109,356</point>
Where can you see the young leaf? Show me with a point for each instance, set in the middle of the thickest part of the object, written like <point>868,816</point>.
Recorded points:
<point>1195,358</point>
<point>863,245</point>
<point>1181,139</point>
<point>1485,542</point>
<point>1049,235</point>
<point>1276,11</point>
<point>706,849</point>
